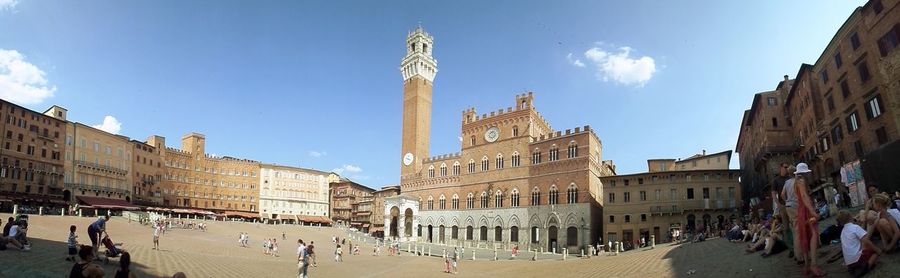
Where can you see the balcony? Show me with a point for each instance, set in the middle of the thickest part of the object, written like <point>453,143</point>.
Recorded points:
<point>100,167</point>
<point>88,187</point>
<point>678,207</point>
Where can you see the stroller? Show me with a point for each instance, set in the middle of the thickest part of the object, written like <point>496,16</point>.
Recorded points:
<point>113,250</point>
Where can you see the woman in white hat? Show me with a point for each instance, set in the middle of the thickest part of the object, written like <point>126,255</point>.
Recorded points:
<point>807,222</point>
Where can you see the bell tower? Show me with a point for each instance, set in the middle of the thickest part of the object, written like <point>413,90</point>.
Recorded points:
<point>418,69</point>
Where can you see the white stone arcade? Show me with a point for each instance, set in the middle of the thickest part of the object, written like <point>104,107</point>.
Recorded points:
<point>400,217</point>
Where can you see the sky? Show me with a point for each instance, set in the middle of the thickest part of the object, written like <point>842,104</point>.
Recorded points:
<point>316,84</point>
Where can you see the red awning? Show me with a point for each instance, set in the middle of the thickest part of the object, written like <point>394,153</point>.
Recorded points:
<point>243,214</point>
<point>106,203</point>
<point>314,219</point>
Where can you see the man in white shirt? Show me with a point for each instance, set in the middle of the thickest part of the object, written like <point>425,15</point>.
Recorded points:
<point>860,255</point>
<point>302,261</point>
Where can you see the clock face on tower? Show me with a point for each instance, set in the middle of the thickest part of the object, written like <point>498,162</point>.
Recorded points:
<point>492,134</point>
<point>408,159</point>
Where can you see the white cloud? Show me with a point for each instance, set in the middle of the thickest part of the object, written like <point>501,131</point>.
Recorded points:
<point>348,169</point>
<point>619,66</point>
<point>575,62</point>
<point>20,81</point>
<point>317,153</point>
<point>110,124</point>
<point>8,4</point>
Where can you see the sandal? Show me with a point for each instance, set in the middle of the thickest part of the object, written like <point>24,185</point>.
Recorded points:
<point>817,272</point>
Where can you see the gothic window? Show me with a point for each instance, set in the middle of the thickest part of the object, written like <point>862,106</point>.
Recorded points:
<point>554,195</point>
<point>430,202</point>
<point>431,171</point>
<point>573,150</point>
<point>515,159</point>
<point>456,168</point>
<point>484,164</point>
<point>499,161</point>
<point>515,131</point>
<point>536,156</point>
<point>472,139</point>
<point>514,198</point>
<point>443,170</point>
<point>484,199</point>
<point>554,153</point>
<point>455,201</point>
<point>535,196</point>
<point>498,199</point>
<point>572,194</point>
<point>442,202</point>
<point>471,166</point>
<point>470,201</point>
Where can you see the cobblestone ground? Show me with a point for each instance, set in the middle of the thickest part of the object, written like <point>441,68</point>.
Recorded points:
<point>215,253</point>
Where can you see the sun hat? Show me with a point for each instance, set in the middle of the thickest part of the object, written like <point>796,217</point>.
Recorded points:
<point>802,168</point>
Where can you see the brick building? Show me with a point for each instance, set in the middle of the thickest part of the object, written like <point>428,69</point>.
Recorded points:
<point>345,198</point>
<point>672,195</point>
<point>31,148</point>
<point>514,181</point>
<point>148,171</point>
<point>377,229</point>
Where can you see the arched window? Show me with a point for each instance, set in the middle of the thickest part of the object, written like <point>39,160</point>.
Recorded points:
<point>572,194</point>
<point>443,170</point>
<point>535,196</point>
<point>573,150</point>
<point>471,166</point>
<point>470,201</point>
<point>536,156</point>
<point>484,199</point>
<point>472,139</point>
<point>430,202</point>
<point>484,164</point>
<point>554,195</point>
<point>442,202</point>
<point>456,168</point>
<point>514,198</point>
<point>498,199</point>
<point>554,153</point>
<point>515,131</point>
<point>515,159</point>
<point>454,203</point>
<point>431,171</point>
<point>499,161</point>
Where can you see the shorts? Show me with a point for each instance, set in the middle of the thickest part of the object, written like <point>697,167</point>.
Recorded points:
<point>72,251</point>
<point>155,239</point>
<point>863,259</point>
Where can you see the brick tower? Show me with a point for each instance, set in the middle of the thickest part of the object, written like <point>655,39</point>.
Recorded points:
<point>418,69</point>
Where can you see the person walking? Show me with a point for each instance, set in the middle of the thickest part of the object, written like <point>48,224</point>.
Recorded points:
<point>302,260</point>
<point>156,237</point>
<point>807,224</point>
<point>338,254</point>
<point>311,253</point>
<point>95,230</point>
<point>274,248</point>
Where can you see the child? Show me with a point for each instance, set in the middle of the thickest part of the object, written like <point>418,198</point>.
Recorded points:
<point>156,237</point>
<point>337,254</point>
<point>72,243</point>
<point>860,254</point>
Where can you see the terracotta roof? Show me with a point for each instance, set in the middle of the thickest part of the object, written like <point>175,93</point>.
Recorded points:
<point>314,219</point>
<point>106,203</point>
<point>241,214</point>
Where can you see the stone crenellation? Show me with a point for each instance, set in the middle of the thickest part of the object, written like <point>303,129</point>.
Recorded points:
<point>444,156</point>
<point>567,132</point>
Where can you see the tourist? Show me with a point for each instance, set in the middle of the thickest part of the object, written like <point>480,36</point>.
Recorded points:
<point>807,220</point>
<point>283,236</point>
<point>156,237</point>
<point>274,248</point>
<point>886,224</point>
<point>455,256</point>
<point>772,241</point>
<point>86,267</point>
<point>72,243</point>
<point>241,239</point>
<point>789,200</point>
<point>17,236</point>
<point>266,247</point>
<point>124,270</point>
<point>515,252</point>
<point>311,253</point>
<point>860,254</point>
<point>9,224</point>
<point>337,254</point>
<point>356,250</point>
<point>95,230</point>
<point>302,260</point>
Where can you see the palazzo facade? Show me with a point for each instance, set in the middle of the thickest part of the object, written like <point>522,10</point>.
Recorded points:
<point>515,181</point>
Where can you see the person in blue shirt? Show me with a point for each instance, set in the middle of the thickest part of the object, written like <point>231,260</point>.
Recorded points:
<point>94,232</point>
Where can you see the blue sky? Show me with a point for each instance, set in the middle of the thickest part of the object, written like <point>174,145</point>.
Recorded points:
<point>316,83</point>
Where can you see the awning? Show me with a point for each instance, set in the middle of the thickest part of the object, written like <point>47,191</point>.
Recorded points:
<point>243,214</point>
<point>287,217</point>
<point>106,203</point>
<point>314,219</point>
<point>366,225</point>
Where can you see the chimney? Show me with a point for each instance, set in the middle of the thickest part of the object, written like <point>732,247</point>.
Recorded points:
<point>786,77</point>
<point>704,151</point>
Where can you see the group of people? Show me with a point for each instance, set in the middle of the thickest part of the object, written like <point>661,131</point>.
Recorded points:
<point>793,226</point>
<point>244,239</point>
<point>270,247</point>
<point>15,234</point>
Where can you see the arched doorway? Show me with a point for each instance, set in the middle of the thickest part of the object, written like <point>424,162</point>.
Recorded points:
<point>128,199</point>
<point>483,233</point>
<point>408,221</point>
<point>67,195</point>
<point>454,232</point>
<point>552,237</point>
<point>419,231</point>
<point>470,233</point>
<point>707,219</point>
<point>441,233</point>
<point>395,216</point>
<point>514,234</point>
<point>535,234</point>
<point>572,236</point>
<point>430,230</point>
<point>691,222</point>
<point>498,233</point>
